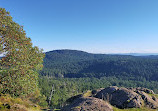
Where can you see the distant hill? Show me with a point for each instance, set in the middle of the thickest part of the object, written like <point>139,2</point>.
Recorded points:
<point>75,64</point>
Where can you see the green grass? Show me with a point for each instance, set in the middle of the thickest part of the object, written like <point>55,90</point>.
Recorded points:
<point>57,110</point>
<point>77,107</point>
<point>87,94</point>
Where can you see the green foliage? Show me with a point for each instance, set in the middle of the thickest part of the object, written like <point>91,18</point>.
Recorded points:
<point>76,64</point>
<point>21,62</point>
<point>38,99</point>
<point>68,87</point>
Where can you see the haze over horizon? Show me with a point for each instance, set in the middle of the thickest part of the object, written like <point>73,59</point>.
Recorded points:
<point>132,53</point>
<point>103,52</point>
<point>93,26</point>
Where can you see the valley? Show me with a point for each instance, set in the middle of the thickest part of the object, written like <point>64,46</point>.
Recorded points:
<point>74,72</point>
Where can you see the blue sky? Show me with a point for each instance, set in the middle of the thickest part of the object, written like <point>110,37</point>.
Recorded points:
<point>98,26</point>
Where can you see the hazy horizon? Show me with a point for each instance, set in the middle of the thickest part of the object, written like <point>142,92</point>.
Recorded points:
<point>93,26</point>
<point>154,53</point>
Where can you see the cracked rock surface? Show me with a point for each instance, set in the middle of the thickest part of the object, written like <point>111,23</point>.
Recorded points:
<point>128,97</point>
<point>88,104</point>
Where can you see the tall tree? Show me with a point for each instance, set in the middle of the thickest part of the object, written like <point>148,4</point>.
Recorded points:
<point>21,62</point>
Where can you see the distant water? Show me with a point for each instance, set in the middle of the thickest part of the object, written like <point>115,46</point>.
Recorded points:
<point>137,54</point>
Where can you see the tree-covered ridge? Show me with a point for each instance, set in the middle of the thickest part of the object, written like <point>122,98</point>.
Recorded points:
<point>72,63</point>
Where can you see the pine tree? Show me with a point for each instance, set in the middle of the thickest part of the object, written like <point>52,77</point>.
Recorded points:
<point>21,62</point>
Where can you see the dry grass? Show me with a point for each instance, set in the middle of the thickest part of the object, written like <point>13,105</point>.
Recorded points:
<point>8,103</point>
<point>135,109</point>
<point>156,95</point>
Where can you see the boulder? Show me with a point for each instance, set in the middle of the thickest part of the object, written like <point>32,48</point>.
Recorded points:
<point>124,98</point>
<point>120,97</point>
<point>88,104</point>
<point>94,92</point>
<point>106,93</point>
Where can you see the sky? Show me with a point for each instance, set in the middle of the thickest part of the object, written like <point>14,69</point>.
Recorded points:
<point>96,26</point>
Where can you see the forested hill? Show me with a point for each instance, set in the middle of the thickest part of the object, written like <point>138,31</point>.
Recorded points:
<point>74,64</point>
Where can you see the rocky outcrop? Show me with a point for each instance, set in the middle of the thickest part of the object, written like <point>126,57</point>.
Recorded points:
<point>124,98</point>
<point>150,101</point>
<point>70,100</point>
<point>88,104</point>
<point>128,97</point>
<point>105,94</point>
<point>120,97</point>
<point>148,91</point>
<point>94,92</point>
